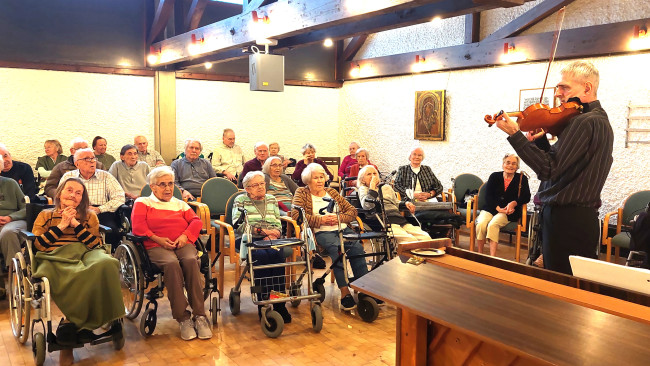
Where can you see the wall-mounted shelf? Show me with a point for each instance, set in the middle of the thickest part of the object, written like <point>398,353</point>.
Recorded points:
<point>638,125</point>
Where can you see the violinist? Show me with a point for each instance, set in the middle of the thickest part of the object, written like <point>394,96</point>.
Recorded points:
<point>572,171</point>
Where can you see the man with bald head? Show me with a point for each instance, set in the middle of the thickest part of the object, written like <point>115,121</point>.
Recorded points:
<point>261,151</point>
<point>61,168</point>
<point>21,172</point>
<point>149,156</point>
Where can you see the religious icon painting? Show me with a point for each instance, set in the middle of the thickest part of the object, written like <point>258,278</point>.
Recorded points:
<point>430,115</point>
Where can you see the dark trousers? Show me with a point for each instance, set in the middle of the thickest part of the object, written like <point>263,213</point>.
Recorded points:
<point>110,219</point>
<point>568,230</point>
<point>269,279</point>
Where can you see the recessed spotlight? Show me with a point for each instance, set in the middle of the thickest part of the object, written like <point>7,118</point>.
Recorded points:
<point>328,42</point>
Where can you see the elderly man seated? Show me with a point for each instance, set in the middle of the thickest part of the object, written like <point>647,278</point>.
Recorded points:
<point>12,220</point>
<point>191,171</point>
<point>228,158</point>
<point>261,150</point>
<point>149,156</point>
<point>20,172</point>
<point>60,169</point>
<point>105,193</point>
<point>129,172</point>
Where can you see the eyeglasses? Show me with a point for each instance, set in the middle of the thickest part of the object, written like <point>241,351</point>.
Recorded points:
<point>164,185</point>
<point>88,160</point>
<point>257,185</point>
<point>276,165</point>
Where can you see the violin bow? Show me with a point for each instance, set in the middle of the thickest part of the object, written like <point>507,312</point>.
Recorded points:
<point>556,38</point>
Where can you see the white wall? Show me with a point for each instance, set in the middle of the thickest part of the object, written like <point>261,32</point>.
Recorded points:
<point>36,105</point>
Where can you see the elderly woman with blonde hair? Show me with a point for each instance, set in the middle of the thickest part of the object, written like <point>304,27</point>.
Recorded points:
<point>368,190</point>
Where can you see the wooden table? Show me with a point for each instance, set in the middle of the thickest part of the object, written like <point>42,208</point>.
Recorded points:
<point>451,316</point>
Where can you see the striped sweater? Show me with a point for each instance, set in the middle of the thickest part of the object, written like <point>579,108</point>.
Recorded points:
<point>50,237</point>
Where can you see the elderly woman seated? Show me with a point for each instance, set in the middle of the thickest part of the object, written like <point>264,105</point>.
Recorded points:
<point>264,220</point>
<point>309,155</point>
<point>368,185</point>
<point>70,254</point>
<point>172,227</point>
<point>277,184</point>
<point>363,160</point>
<point>312,198</point>
<point>505,193</point>
<point>53,155</point>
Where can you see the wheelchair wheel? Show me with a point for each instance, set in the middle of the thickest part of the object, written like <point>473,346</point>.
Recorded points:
<point>131,279</point>
<point>118,337</point>
<point>38,348</point>
<point>295,291</point>
<point>234,301</point>
<point>275,326</point>
<point>214,310</point>
<point>368,309</point>
<point>148,322</point>
<point>20,311</point>
<point>317,318</point>
<point>319,287</point>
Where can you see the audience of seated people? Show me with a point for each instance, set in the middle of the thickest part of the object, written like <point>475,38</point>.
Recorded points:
<point>105,193</point>
<point>274,150</point>
<point>278,185</point>
<point>53,156</point>
<point>70,254</point>
<point>505,193</point>
<point>348,160</point>
<point>191,171</point>
<point>363,160</point>
<point>228,158</point>
<point>129,172</point>
<point>20,172</point>
<point>57,172</point>
<point>261,151</point>
<point>12,220</point>
<point>99,147</point>
<point>263,216</point>
<point>149,156</point>
<point>368,190</point>
<point>309,156</point>
<point>172,228</point>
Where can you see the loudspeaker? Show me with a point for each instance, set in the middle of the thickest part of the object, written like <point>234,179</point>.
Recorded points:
<point>266,72</point>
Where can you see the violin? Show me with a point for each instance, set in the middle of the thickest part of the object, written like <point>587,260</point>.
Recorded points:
<point>540,116</point>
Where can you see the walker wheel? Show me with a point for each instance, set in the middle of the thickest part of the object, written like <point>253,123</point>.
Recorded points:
<point>38,348</point>
<point>319,287</point>
<point>214,310</point>
<point>295,291</point>
<point>234,301</point>
<point>368,309</point>
<point>317,318</point>
<point>275,324</point>
<point>148,322</point>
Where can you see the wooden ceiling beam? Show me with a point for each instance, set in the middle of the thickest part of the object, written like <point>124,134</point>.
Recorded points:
<point>353,47</point>
<point>194,14</point>
<point>528,19</point>
<point>502,3</point>
<point>163,12</point>
<point>598,40</point>
<point>472,27</point>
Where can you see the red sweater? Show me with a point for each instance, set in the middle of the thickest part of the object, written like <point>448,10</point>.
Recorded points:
<point>171,219</point>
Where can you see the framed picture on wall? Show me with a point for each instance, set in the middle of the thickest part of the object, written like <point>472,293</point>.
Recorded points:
<point>429,115</point>
<point>528,97</point>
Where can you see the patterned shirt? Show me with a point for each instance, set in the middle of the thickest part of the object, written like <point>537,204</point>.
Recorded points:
<point>132,178</point>
<point>50,237</point>
<point>104,190</point>
<point>191,175</point>
<point>280,191</point>
<point>151,157</point>
<point>228,159</point>
<point>263,214</point>
<point>406,178</point>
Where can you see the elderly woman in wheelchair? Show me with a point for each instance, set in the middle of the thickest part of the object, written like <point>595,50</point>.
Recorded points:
<point>368,191</point>
<point>171,227</point>
<point>70,255</point>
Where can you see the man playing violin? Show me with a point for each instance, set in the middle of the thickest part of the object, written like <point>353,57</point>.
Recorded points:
<point>572,171</point>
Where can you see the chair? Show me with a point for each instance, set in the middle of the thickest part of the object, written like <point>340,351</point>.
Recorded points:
<point>333,164</point>
<point>462,183</point>
<point>634,204</point>
<point>472,212</point>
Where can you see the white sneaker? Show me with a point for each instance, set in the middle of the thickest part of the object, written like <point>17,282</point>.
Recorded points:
<point>187,330</point>
<point>203,327</point>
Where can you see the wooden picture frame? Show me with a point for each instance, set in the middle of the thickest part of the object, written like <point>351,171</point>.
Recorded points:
<point>429,121</point>
<point>528,97</point>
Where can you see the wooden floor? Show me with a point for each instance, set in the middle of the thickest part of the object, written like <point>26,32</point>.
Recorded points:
<point>344,340</point>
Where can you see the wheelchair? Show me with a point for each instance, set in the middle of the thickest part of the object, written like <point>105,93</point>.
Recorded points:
<point>27,293</point>
<point>137,273</point>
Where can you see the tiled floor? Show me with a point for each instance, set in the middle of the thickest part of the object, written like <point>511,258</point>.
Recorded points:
<point>238,340</point>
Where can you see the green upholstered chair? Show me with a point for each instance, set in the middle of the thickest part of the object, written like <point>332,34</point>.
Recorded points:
<point>634,204</point>
<point>462,184</point>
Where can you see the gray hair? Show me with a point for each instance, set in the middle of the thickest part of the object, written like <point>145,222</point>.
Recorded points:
<point>512,156</point>
<point>362,174</point>
<point>307,147</point>
<point>226,130</point>
<point>77,140</point>
<point>266,168</point>
<point>189,141</point>
<point>413,150</point>
<point>354,143</point>
<point>78,153</point>
<point>258,144</point>
<point>249,176</point>
<point>159,172</point>
<point>583,71</point>
<point>361,149</point>
<point>310,170</point>
<point>137,137</point>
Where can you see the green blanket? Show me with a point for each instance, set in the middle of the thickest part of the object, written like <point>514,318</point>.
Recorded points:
<point>85,284</point>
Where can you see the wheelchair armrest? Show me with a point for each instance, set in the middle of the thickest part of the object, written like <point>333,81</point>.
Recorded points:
<point>347,179</point>
<point>26,235</point>
<point>105,229</point>
<point>135,238</point>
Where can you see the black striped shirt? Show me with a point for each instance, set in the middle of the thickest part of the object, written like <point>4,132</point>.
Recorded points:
<point>572,171</point>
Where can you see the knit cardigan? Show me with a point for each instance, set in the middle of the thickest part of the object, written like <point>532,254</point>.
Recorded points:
<point>303,198</point>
